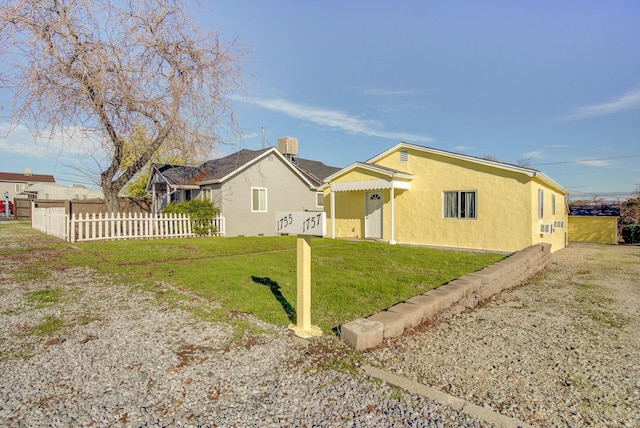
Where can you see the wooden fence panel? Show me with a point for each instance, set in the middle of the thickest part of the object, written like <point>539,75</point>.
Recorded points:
<point>22,209</point>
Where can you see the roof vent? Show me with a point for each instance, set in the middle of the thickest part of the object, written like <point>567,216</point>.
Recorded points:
<point>288,146</point>
<point>27,172</point>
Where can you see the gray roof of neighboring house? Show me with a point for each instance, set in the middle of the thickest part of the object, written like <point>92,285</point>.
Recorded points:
<point>594,210</point>
<point>315,171</point>
<point>217,169</point>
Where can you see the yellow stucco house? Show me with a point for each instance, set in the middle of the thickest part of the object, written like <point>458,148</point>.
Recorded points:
<point>411,194</point>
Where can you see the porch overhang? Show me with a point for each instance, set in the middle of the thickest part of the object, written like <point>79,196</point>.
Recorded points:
<point>350,186</point>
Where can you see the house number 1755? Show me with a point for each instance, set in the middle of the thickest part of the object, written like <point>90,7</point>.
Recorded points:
<point>301,223</point>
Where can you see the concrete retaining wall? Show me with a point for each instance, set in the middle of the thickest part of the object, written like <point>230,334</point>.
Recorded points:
<point>448,299</point>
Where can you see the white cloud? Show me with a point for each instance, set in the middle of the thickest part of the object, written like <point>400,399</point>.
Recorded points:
<point>334,119</point>
<point>68,141</point>
<point>559,146</point>
<point>536,154</point>
<point>595,162</point>
<point>388,92</point>
<point>628,101</point>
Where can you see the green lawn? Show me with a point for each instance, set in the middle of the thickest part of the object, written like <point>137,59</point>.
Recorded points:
<point>258,275</point>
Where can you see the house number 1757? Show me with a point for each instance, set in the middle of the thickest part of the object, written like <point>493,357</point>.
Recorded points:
<point>301,223</point>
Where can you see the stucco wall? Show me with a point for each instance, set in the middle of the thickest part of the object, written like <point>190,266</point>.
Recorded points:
<point>285,191</point>
<point>559,236</point>
<point>506,219</point>
<point>597,230</point>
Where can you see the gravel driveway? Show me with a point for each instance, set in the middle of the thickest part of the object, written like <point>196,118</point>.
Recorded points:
<point>561,350</point>
<point>80,350</point>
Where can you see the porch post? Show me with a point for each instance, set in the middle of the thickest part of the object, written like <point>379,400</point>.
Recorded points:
<point>392,239</point>
<point>333,213</point>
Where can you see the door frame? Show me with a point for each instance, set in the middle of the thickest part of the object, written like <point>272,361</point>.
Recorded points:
<point>367,232</point>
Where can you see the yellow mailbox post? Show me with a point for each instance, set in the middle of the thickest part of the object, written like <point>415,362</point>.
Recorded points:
<point>305,225</point>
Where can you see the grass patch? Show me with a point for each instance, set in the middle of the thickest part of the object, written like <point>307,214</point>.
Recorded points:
<point>608,318</point>
<point>31,273</point>
<point>42,298</point>
<point>49,326</point>
<point>258,275</point>
<point>596,305</point>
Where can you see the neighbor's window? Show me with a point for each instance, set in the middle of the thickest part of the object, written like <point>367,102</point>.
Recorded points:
<point>460,204</point>
<point>258,199</point>
<point>319,199</point>
<point>540,203</point>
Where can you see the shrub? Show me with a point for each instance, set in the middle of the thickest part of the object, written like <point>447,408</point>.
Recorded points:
<point>631,234</point>
<point>199,211</point>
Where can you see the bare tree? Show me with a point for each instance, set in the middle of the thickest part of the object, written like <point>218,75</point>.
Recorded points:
<point>524,162</point>
<point>107,67</point>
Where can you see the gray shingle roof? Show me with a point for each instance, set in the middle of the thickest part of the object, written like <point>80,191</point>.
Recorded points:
<point>217,169</point>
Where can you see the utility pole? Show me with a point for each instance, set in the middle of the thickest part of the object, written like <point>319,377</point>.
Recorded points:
<point>263,137</point>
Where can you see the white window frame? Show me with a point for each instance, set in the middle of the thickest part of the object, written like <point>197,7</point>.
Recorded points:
<point>206,194</point>
<point>319,200</point>
<point>460,213</point>
<point>546,228</point>
<point>261,209</point>
<point>19,188</point>
<point>540,203</point>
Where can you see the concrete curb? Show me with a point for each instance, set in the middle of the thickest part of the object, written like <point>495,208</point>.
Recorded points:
<point>438,396</point>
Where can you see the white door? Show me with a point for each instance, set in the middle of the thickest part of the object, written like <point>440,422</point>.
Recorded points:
<point>373,215</point>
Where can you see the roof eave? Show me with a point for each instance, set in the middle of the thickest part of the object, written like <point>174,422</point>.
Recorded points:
<point>371,167</point>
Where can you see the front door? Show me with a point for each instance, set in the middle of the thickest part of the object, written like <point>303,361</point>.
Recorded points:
<point>373,215</point>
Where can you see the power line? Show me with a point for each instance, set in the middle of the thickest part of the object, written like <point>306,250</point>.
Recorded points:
<point>587,160</point>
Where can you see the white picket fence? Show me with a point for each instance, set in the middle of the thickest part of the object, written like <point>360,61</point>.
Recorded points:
<point>96,227</point>
<point>52,221</point>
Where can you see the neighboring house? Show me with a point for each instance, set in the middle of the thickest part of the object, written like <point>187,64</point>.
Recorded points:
<point>248,186</point>
<point>597,224</point>
<point>55,191</point>
<point>16,183</point>
<point>411,194</point>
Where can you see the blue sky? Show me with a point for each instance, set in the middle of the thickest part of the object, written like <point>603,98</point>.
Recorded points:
<point>555,82</point>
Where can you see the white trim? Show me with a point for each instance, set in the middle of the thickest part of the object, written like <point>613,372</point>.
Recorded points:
<point>391,173</point>
<point>540,204</point>
<point>265,200</point>
<point>367,198</point>
<point>546,228</point>
<point>349,186</point>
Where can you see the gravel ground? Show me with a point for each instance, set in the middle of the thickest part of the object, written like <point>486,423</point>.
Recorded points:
<point>119,356</point>
<point>562,350</point>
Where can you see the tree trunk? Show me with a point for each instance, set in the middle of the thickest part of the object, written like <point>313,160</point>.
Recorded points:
<point>110,195</point>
